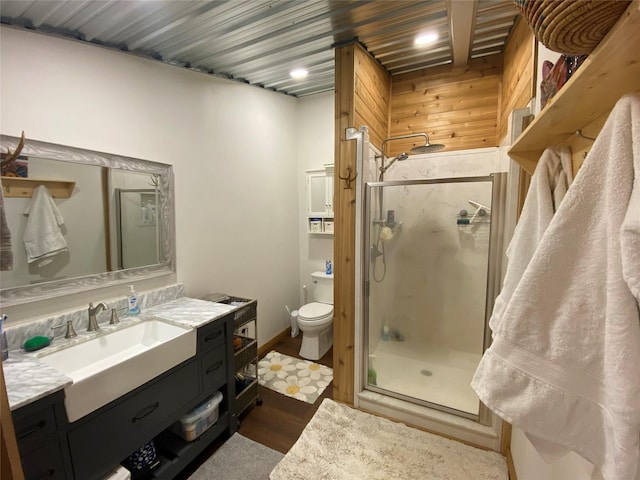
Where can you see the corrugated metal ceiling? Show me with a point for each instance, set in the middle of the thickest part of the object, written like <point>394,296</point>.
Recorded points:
<point>261,41</point>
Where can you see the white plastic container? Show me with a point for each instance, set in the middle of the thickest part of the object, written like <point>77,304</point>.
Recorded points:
<point>198,420</point>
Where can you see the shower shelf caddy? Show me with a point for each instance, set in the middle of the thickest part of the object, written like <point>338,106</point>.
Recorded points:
<point>245,359</point>
<point>584,102</point>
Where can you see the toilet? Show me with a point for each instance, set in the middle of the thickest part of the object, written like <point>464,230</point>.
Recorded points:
<point>315,319</point>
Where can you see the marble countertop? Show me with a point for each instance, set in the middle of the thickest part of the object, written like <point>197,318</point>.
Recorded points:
<point>28,379</point>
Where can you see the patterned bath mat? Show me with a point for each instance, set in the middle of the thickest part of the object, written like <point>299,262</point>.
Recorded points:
<point>299,379</point>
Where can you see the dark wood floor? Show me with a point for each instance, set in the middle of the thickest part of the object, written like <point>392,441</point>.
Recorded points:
<point>279,421</point>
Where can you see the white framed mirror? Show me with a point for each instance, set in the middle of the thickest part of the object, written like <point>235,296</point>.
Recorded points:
<point>105,241</point>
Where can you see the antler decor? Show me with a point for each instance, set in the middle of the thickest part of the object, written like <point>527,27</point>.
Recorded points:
<point>13,156</point>
<point>154,181</point>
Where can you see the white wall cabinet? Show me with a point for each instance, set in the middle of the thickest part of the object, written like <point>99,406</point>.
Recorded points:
<point>320,201</point>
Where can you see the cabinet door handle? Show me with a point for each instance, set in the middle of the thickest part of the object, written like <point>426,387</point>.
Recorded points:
<point>32,429</point>
<point>145,412</point>
<point>214,367</point>
<point>213,336</point>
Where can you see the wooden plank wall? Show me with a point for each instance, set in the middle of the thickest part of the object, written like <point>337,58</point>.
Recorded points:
<point>361,98</point>
<point>518,86</point>
<point>454,106</point>
<point>373,94</point>
<point>518,78</point>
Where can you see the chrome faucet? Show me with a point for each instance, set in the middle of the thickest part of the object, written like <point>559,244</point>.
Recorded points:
<point>93,311</point>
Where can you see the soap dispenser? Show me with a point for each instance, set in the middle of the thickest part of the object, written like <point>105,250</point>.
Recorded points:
<point>132,302</point>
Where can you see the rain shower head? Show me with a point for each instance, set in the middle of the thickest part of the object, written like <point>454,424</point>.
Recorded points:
<point>420,149</point>
<point>427,147</point>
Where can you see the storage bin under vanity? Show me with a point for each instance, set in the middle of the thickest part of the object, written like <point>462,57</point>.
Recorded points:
<point>198,420</point>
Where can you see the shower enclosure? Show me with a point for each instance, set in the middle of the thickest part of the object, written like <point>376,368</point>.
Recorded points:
<point>427,281</point>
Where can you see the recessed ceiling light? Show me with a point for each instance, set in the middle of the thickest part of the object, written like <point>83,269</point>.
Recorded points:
<point>298,73</point>
<point>425,39</point>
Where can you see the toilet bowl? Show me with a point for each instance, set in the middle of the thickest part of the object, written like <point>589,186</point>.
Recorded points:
<point>315,319</point>
<point>316,324</point>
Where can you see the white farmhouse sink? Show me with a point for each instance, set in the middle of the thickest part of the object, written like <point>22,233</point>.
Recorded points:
<point>110,365</point>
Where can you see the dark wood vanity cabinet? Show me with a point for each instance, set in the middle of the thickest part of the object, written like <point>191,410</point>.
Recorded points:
<point>214,357</point>
<point>102,439</point>
<point>92,446</point>
<point>40,433</point>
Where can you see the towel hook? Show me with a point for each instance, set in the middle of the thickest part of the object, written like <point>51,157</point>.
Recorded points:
<point>580,134</point>
<point>348,178</point>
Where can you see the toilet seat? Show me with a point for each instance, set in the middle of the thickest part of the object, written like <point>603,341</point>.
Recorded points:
<point>315,311</point>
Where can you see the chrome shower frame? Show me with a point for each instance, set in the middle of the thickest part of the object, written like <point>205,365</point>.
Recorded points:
<point>496,247</point>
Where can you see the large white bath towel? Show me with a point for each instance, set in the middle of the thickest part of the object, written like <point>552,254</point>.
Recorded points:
<point>42,236</point>
<point>564,362</point>
<point>549,185</point>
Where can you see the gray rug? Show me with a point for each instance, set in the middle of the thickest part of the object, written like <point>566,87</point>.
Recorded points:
<point>239,458</point>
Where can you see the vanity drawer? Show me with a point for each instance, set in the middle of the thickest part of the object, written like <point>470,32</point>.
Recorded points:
<point>44,463</point>
<point>120,429</point>
<point>34,426</point>
<point>211,335</point>
<point>214,369</point>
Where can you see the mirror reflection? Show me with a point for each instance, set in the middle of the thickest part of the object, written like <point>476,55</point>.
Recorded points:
<point>80,218</point>
<point>137,232</point>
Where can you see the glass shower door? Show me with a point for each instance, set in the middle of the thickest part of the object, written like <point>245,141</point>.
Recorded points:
<point>425,292</point>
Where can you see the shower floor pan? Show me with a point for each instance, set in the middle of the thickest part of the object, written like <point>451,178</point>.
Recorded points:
<point>428,372</point>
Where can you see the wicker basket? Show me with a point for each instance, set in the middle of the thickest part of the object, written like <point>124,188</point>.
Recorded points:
<point>573,27</point>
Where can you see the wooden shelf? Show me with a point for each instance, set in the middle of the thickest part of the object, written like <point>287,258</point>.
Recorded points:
<point>611,71</point>
<point>24,187</point>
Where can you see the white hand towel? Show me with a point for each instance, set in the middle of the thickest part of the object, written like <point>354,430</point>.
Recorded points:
<point>42,236</point>
<point>563,365</point>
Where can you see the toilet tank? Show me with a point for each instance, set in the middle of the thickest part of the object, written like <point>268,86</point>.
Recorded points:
<point>323,287</point>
